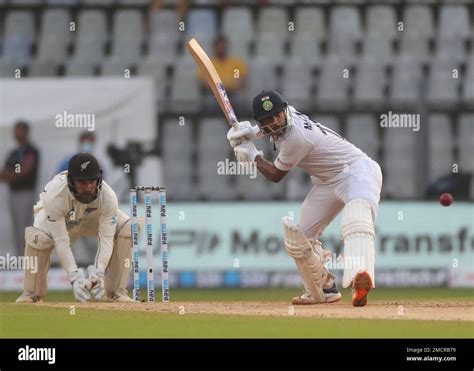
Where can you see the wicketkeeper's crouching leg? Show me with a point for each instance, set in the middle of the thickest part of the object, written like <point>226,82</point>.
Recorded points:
<point>38,246</point>
<point>118,270</point>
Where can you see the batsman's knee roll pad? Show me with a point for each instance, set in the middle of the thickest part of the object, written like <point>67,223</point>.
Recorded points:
<point>38,239</point>
<point>357,218</point>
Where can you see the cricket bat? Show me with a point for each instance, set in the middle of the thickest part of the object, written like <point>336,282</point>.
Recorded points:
<point>213,80</point>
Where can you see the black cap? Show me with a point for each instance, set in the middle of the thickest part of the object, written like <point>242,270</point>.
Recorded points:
<point>84,166</point>
<point>268,103</point>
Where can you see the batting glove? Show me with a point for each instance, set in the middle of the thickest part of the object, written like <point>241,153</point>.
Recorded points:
<point>246,152</point>
<point>242,133</point>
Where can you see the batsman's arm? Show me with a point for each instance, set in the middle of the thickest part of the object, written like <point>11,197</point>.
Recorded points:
<point>107,229</point>
<point>269,170</point>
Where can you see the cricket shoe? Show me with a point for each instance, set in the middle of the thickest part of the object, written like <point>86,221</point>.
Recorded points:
<point>331,295</point>
<point>118,296</point>
<point>361,285</point>
<point>28,297</point>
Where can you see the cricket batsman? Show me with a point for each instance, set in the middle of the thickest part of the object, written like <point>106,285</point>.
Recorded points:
<point>344,179</point>
<point>77,203</point>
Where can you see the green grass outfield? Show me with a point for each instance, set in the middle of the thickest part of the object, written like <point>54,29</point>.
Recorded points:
<point>30,321</point>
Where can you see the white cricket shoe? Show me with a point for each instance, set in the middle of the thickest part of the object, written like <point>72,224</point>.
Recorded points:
<point>118,296</point>
<point>28,297</point>
<point>331,295</point>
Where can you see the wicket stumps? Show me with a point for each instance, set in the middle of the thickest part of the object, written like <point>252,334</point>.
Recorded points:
<point>149,243</point>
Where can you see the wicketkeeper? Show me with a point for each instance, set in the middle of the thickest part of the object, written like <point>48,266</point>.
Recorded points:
<point>344,179</point>
<point>77,203</point>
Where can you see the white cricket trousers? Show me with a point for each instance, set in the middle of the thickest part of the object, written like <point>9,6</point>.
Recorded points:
<point>325,201</point>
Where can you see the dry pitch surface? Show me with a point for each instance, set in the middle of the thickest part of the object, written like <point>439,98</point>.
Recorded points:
<point>445,309</point>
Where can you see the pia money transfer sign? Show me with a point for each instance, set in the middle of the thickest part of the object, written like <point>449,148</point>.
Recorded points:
<point>225,236</point>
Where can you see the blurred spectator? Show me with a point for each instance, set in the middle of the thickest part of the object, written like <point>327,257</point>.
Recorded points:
<point>87,145</point>
<point>232,70</point>
<point>21,174</point>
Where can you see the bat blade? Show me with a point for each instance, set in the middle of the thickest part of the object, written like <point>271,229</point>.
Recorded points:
<point>213,80</point>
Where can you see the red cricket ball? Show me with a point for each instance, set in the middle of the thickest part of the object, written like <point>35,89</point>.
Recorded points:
<point>446,199</point>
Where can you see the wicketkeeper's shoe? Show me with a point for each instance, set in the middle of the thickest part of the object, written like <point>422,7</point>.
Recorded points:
<point>361,285</point>
<point>331,295</point>
<point>28,297</point>
<point>118,296</point>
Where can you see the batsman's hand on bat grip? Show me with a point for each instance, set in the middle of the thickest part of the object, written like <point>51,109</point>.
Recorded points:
<point>246,152</point>
<point>243,132</point>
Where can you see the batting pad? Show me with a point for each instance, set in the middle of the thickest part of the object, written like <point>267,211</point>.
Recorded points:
<point>308,260</point>
<point>359,240</point>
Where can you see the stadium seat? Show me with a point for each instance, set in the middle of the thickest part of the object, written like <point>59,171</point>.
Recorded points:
<point>381,33</point>
<point>405,83</point>
<point>333,86</point>
<point>76,68</point>
<point>310,21</point>
<point>212,185</point>
<point>98,2</point>
<point>381,22</point>
<point>40,68</point>
<point>92,36</point>
<point>468,84</point>
<point>185,87</point>
<point>274,21</point>
<point>55,24</point>
<point>177,151</point>
<point>369,84</point>
<point>418,30</point>
<point>114,66</point>
<point>453,31</point>
<point>19,35</point>
<point>297,83</point>
<point>237,24</point>
<point>442,91</point>
<point>466,143</point>
<point>344,31</point>
<point>306,46</point>
<point>154,68</point>
<point>400,151</point>
<point>261,76</point>
<point>440,147</point>
<point>162,49</point>
<point>164,24</point>
<point>362,131</point>
<point>26,2</point>
<point>17,48</point>
<point>63,2</point>
<point>270,47</point>
<point>7,67</point>
<point>202,24</point>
